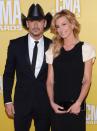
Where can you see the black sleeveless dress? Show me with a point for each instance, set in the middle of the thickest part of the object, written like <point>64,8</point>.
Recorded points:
<point>68,75</point>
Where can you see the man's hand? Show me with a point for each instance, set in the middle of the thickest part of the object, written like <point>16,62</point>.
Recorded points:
<point>9,109</point>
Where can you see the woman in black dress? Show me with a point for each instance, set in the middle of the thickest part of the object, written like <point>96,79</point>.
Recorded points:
<point>69,73</point>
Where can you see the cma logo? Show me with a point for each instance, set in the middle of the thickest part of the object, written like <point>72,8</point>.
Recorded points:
<point>72,5</point>
<point>10,15</point>
<point>91,115</point>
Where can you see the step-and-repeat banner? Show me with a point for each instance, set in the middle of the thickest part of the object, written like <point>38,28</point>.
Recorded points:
<point>10,28</point>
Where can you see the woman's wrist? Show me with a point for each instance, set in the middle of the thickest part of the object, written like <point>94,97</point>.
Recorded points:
<point>78,102</point>
<point>51,101</point>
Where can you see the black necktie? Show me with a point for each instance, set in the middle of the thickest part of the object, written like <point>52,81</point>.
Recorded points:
<point>34,56</point>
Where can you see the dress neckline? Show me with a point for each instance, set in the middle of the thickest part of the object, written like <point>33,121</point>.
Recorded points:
<point>71,48</point>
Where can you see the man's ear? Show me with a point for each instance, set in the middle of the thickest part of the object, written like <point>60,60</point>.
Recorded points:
<point>45,23</point>
<point>27,24</point>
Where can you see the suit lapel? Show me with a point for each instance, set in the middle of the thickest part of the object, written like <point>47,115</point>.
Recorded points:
<point>27,50</point>
<point>27,58</point>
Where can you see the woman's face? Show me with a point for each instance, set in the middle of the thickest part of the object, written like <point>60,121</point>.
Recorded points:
<point>64,27</point>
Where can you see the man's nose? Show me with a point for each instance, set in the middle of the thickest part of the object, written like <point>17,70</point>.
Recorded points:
<point>36,24</point>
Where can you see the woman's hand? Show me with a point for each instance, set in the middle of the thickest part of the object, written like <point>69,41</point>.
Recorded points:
<point>57,108</point>
<point>75,108</point>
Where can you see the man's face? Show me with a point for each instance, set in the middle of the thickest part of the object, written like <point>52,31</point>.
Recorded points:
<point>36,27</point>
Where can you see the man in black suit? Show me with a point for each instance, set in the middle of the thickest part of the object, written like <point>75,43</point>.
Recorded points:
<point>26,58</point>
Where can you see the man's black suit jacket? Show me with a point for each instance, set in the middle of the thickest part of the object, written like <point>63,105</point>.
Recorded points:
<point>30,92</point>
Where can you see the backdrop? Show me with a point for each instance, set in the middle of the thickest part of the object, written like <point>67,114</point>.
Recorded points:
<point>10,28</point>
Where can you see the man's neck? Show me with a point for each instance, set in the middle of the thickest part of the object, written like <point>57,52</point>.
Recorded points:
<point>37,37</point>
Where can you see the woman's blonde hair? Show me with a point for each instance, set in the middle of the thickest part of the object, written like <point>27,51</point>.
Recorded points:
<point>57,40</point>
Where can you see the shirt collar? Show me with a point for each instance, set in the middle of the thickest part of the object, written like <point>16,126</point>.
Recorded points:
<point>31,40</point>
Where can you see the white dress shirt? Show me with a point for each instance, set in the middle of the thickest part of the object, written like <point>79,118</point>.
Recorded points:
<point>40,53</point>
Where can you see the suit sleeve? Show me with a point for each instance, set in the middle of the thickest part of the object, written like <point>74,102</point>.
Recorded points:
<point>9,72</point>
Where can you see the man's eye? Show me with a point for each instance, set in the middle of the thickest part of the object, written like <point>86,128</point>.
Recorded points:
<point>57,27</point>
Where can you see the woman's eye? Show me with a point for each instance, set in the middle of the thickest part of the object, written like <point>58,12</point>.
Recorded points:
<point>64,24</point>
